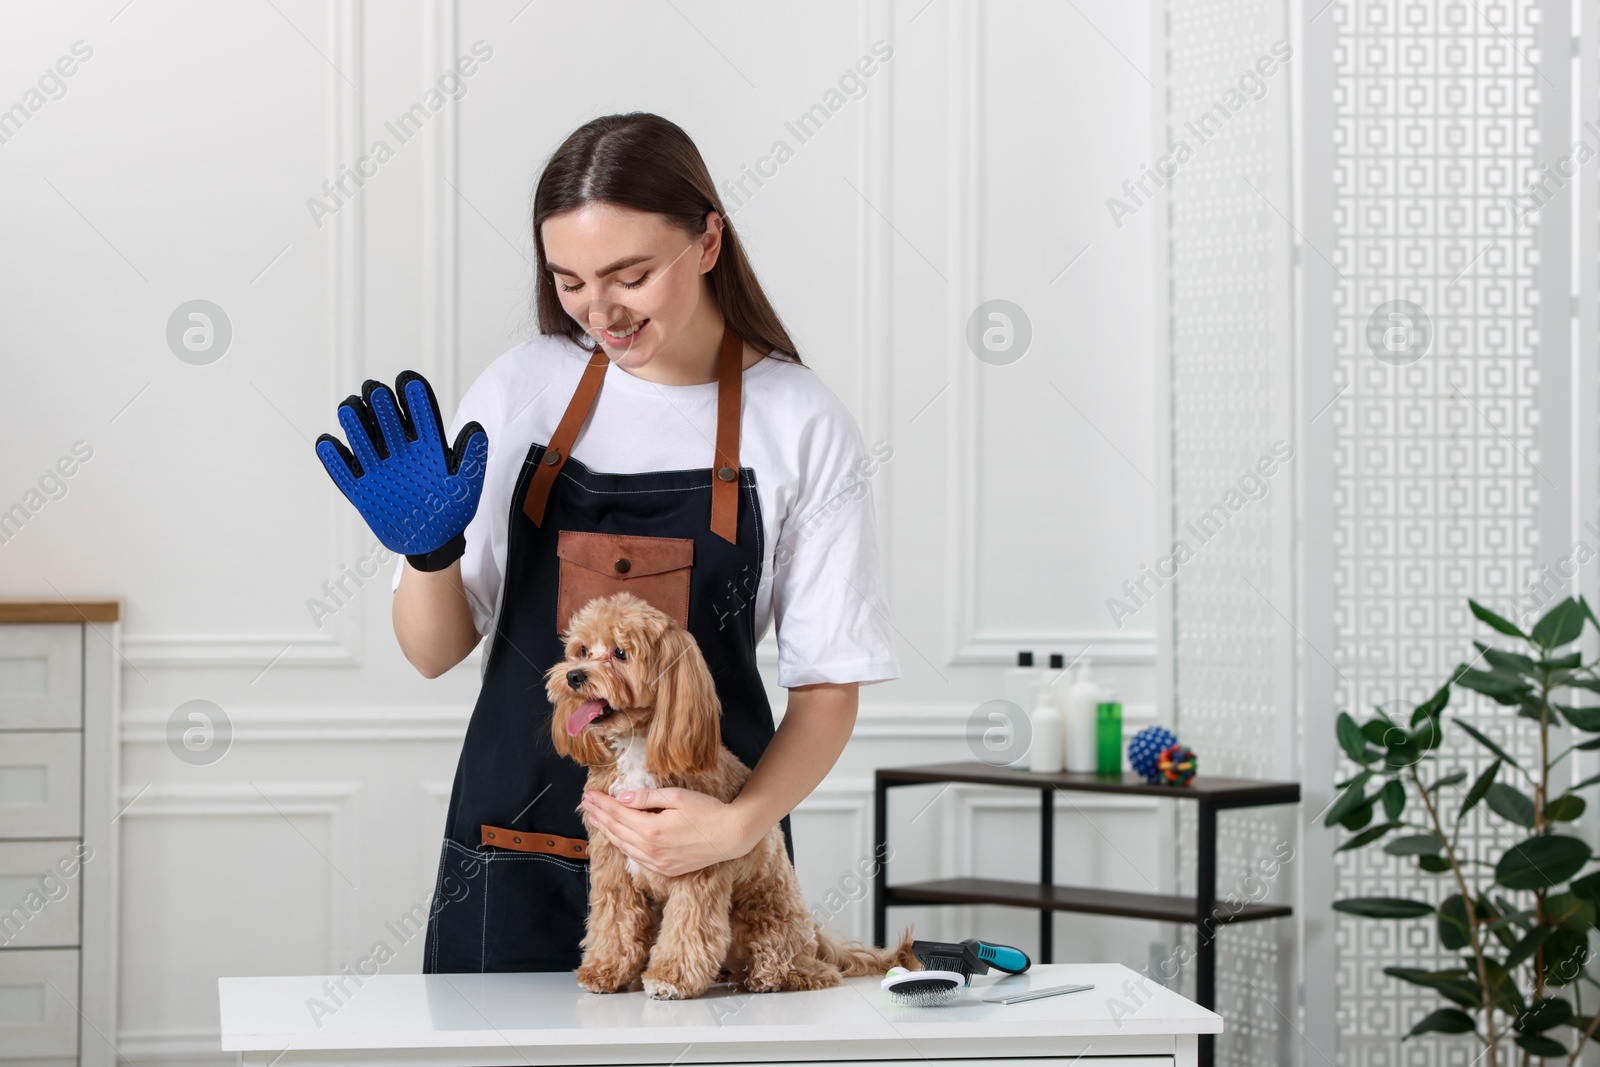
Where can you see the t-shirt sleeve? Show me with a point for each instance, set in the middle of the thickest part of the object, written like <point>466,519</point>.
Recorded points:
<point>828,595</point>
<point>480,567</point>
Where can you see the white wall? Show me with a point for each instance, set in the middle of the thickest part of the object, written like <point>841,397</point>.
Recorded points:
<point>177,165</point>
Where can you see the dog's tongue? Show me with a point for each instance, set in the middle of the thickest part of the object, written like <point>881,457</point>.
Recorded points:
<point>587,712</point>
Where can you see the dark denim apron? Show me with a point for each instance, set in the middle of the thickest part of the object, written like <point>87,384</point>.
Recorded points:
<point>505,909</point>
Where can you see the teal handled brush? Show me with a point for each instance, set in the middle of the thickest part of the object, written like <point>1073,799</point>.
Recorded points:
<point>970,957</point>
<point>948,967</point>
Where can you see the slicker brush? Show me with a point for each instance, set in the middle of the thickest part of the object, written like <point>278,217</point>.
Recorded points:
<point>948,967</point>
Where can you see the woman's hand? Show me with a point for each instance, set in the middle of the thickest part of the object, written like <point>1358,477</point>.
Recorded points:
<point>692,830</point>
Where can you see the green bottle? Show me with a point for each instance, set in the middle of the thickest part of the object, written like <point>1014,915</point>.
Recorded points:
<point>1108,732</point>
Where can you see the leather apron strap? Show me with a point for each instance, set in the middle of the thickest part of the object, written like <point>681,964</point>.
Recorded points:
<point>724,487</point>
<point>573,848</point>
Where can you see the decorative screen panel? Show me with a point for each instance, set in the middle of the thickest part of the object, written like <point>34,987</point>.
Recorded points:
<point>1435,356</point>
<point>1228,66</point>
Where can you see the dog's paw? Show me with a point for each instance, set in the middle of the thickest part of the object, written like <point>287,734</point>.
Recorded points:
<point>672,980</point>
<point>660,990</point>
<point>603,979</point>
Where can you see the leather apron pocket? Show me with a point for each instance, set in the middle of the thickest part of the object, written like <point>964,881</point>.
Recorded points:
<point>502,910</point>
<point>535,909</point>
<point>593,564</point>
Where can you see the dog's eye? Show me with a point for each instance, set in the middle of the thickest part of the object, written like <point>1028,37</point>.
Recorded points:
<point>583,650</point>
<point>617,652</point>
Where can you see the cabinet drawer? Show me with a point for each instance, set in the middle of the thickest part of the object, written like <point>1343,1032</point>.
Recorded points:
<point>38,1004</point>
<point>39,887</point>
<point>41,676</point>
<point>40,776</point>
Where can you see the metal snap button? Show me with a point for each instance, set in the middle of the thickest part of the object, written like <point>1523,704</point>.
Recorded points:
<point>516,840</point>
<point>552,457</point>
<point>727,474</point>
<point>622,566</point>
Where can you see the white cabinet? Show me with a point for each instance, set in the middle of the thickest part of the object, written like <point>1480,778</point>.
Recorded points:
<point>58,859</point>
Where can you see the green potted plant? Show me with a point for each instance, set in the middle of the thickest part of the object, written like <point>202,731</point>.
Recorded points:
<point>1520,921</point>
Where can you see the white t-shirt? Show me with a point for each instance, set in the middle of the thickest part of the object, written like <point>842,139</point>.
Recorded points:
<point>813,478</point>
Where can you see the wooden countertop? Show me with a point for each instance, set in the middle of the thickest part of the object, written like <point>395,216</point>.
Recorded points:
<point>57,609</point>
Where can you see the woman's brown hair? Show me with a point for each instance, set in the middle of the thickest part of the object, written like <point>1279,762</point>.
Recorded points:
<point>645,162</point>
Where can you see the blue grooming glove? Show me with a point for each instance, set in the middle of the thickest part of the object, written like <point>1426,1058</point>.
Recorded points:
<point>416,496</point>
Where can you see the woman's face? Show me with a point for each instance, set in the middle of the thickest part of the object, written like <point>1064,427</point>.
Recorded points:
<point>617,269</point>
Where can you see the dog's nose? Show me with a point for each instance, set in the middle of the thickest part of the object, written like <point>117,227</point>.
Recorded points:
<point>576,677</point>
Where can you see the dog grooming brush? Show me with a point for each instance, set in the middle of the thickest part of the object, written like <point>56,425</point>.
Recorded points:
<point>923,989</point>
<point>948,968</point>
<point>970,957</point>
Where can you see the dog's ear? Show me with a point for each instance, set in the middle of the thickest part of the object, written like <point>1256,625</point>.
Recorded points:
<point>686,727</point>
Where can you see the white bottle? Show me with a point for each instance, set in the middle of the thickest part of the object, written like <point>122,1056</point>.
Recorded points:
<point>1022,682</point>
<point>1044,746</point>
<point>1081,727</point>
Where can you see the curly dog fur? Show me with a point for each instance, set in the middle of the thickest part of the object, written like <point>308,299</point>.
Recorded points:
<point>635,703</point>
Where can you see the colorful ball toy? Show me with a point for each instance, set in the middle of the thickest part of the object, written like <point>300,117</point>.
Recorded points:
<point>1177,765</point>
<point>1145,747</point>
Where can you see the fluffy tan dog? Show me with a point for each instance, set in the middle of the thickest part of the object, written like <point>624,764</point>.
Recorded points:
<point>634,702</point>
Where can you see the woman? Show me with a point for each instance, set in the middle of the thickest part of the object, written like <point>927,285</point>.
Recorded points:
<point>661,415</point>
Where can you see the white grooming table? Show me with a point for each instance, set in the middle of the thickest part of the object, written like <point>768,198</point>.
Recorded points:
<point>545,1018</point>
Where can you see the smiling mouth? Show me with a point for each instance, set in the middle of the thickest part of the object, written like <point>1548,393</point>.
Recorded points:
<point>587,712</point>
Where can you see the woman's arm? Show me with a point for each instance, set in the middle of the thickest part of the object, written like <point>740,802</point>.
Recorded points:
<point>816,726</point>
<point>675,831</point>
<point>433,620</point>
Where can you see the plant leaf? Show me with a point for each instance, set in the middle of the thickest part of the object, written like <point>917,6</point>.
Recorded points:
<point>1479,788</point>
<point>1587,887</point>
<point>1511,803</point>
<point>1430,979</point>
<point>1524,950</point>
<point>1502,660</point>
<point>1383,908</point>
<point>1559,626</point>
<point>1430,708</point>
<point>1503,989</point>
<point>1501,688</point>
<point>1539,1045</point>
<point>1353,797</point>
<point>1564,808</point>
<point>1564,956</point>
<point>1568,911</point>
<point>1455,929</point>
<point>1433,864</point>
<point>1351,739</point>
<point>1394,798</point>
<point>1486,743</point>
<point>1445,1021</point>
<point>1585,719</point>
<point>1541,862</point>
<point>1588,613</point>
<point>1367,836</point>
<point>1360,816</point>
<point>1449,779</point>
<point>1495,621</point>
<point>1414,845</point>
